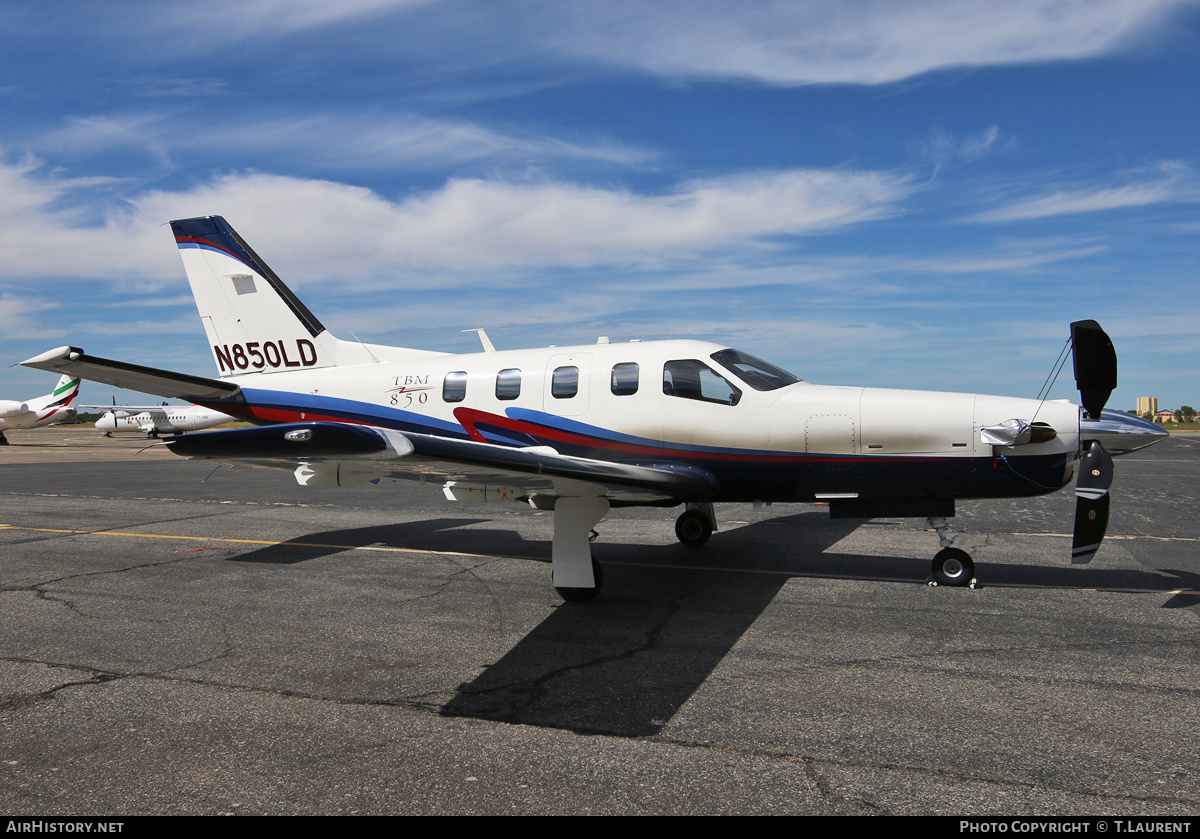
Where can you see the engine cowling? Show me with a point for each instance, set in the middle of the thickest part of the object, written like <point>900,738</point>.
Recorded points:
<point>9,408</point>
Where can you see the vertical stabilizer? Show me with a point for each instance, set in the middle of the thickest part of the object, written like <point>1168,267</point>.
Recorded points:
<point>58,401</point>
<point>255,324</point>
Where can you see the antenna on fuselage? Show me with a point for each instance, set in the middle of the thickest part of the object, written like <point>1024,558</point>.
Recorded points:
<point>365,347</point>
<point>488,346</point>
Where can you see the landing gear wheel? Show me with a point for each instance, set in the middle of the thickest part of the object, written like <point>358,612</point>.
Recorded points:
<point>693,528</point>
<point>583,595</point>
<point>952,567</point>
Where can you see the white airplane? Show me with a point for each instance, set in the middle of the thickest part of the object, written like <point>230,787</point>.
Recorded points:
<point>580,429</point>
<point>153,420</point>
<point>40,410</point>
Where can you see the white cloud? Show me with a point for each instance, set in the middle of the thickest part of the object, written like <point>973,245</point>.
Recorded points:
<point>1170,182</point>
<point>330,140</point>
<point>227,20</point>
<point>944,149</point>
<point>328,229</point>
<point>794,42</point>
<point>18,318</point>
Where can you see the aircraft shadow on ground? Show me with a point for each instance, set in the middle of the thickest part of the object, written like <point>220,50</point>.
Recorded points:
<point>449,535</point>
<point>626,662</point>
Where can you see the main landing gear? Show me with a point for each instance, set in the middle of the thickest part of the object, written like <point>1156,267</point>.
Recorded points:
<point>574,594</point>
<point>577,575</point>
<point>696,524</point>
<point>951,566</point>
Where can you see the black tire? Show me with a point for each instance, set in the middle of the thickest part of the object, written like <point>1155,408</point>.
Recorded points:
<point>583,595</point>
<point>693,528</point>
<point>952,567</point>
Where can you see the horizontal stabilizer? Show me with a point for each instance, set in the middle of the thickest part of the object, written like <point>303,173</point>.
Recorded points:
<point>74,361</point>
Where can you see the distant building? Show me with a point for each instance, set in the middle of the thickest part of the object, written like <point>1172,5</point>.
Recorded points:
<point>1147,405</point>
<point>1164,416</point>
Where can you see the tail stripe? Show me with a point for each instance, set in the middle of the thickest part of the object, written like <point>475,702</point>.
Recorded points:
<point>73,383</point>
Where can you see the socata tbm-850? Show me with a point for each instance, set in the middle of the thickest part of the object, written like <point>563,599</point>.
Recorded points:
<point>579,429</point>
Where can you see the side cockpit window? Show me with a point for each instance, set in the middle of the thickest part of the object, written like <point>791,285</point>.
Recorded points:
<point>692,379</point>
<point>759,374</point>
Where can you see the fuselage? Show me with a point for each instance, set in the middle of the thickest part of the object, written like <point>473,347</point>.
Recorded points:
<point>170,420</point>
<point>764,434</point>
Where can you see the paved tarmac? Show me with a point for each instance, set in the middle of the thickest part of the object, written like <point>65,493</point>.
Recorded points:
<point>182,640</point>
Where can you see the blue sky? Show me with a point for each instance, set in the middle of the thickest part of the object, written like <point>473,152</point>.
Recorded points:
<point>906,194</point>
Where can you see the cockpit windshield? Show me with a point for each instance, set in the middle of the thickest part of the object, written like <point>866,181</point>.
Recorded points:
<point>759,374</point>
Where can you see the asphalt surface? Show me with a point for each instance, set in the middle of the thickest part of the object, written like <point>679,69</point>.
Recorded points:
<point>182,640</point>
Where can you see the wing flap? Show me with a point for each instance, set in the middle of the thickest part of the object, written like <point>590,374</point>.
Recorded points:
<point>76,362</point>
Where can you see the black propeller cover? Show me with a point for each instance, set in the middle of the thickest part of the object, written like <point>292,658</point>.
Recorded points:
<point>1095,365</point>
<point>1091,502</point>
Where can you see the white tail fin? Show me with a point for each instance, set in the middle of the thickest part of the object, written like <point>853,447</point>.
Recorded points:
<point>58,401</point>
<point>255,324</point>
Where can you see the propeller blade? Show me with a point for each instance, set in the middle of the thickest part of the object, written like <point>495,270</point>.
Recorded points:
<point>1091,502</point>
<point>1095,365</point>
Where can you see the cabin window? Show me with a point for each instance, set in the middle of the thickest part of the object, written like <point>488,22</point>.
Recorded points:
<point>508,383</point>
<point>565,382</point>
<point>625,378</point>
<point>454,387</point>
<point>692,379</point>
<point>759,374</point>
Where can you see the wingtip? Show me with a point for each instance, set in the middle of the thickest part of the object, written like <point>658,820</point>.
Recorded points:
<point>56,354</point>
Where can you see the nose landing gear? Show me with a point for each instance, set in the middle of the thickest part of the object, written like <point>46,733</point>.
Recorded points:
<point>951,566</point>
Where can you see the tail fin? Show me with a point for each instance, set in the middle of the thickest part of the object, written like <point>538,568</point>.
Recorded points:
<point>255,324</point>
<point>58,401</point>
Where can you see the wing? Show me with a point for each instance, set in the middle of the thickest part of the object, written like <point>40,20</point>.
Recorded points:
<point>75,362</point>
<point>332,453</point>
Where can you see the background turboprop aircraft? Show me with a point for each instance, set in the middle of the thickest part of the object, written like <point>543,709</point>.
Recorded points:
<point>579,429</point>
<point>153,420</point>
<point>41,410</point>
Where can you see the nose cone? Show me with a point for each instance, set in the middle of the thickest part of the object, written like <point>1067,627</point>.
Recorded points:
<point>1121,433</point>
